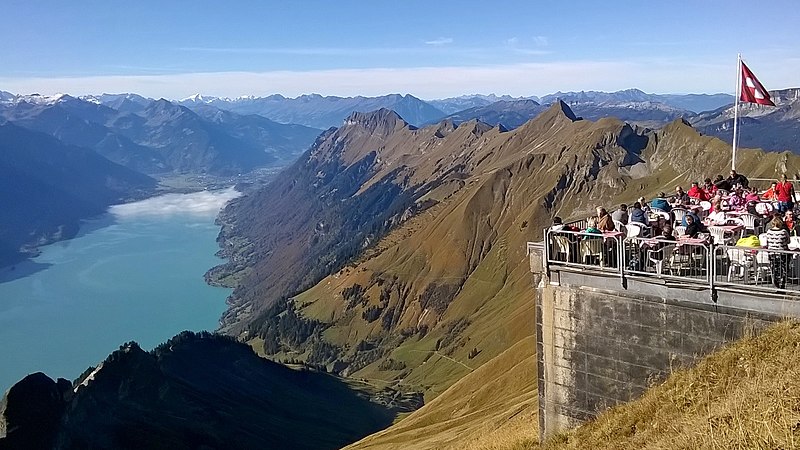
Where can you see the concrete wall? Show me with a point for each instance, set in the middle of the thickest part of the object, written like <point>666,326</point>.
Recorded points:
<point>600,344</point>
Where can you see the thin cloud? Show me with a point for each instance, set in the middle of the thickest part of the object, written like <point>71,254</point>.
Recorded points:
<point>541,41</point>
<point>512,41</point>
<point>425,82</point>
<point>440,41</point>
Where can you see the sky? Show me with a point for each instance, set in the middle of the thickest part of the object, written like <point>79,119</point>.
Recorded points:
<point>430,49</point>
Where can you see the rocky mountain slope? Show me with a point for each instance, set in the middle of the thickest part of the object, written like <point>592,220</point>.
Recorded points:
<point>772,128</point>
<point>47,188</point>
<point>317,111</point>
<point>194,391</point>
<point>401,259</point>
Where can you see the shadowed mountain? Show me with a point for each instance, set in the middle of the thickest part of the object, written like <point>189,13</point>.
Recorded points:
<point>47,187</point>
<point>194,391</point>
<point>158,136</point>
<point>771,128</point>
<point>509,114</point>
<point>321,112</point>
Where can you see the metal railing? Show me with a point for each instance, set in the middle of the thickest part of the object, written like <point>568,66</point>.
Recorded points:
<point>694,262</point>
<point>757,269</point>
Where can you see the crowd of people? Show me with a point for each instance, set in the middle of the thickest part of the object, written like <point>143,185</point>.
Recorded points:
<point>714,202</point>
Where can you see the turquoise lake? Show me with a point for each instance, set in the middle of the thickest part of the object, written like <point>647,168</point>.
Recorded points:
<point>134,274</point>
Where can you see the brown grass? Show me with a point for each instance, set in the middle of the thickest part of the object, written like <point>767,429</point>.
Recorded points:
<point>497,399</point>
<point>745,396</point>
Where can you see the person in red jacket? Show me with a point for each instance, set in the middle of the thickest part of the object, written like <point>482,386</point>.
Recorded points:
<point>697,193</point>
<point>785,191</point>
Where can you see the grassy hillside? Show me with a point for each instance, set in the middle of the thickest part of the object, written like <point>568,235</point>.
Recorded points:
<point>499,398</point>
<point>446,289</point>
<point>744,396</point>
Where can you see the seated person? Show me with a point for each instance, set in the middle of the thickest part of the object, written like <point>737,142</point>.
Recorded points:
<point>681,198</point>
<point>709,188</point>
<point>791,225</point>
<point>736,199</point>
<point>645,206</point>
<point>661,203</point>
<point>638,215</point>
<point>717,216</point>
<point>558,225</point>
<point>751,195</point>
<point>621,214</point>
<point>592,228</point>
<point>690,213</point>
<point>698,193</point>
<point>771,195</point>
<point>694,227</point>
<point>659,226</point>
<point>668,233</point>
<point>604,221</point>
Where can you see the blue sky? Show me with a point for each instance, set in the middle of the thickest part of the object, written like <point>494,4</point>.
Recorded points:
<point>430,49</point>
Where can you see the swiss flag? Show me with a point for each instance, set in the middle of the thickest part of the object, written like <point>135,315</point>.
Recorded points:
<point>752,89</point>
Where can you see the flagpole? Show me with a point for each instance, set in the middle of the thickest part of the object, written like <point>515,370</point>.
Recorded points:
<point>736,108</point>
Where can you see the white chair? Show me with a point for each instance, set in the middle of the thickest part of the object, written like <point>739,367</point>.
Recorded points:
<point>563,247</point>
<point>718,233</point>
<point>740,262</point>
<point>680,230</point>
<point>619,226</point>
<point>657,257</point>
<point>592,248</point>
<point>761,266</point>
<point>679,214</point>
<point>749,222</point>
<point>633,229</point>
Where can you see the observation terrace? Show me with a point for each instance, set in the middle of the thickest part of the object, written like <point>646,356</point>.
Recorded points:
<point>617,313</point>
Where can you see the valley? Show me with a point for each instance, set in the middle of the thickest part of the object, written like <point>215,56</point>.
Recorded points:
<point>390,256</point>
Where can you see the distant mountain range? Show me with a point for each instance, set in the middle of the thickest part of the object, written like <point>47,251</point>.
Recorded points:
<point>317,111</point>
<point>157,136</point>
<point>771,128</point>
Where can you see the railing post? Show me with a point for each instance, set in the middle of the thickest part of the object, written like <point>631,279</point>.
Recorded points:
<point>546,235</point>
<point>621,261</point>
<point>712,274</point>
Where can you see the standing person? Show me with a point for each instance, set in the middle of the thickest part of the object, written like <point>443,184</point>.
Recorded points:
<point>604,220</point>
<point>722,184</point>
<point>621,214</point>
<point>778,239</point>
<point>785,193</point>
<point>738,179</point>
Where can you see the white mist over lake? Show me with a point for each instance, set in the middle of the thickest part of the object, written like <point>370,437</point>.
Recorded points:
<point>135,273</point>
<point>199,203</point>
